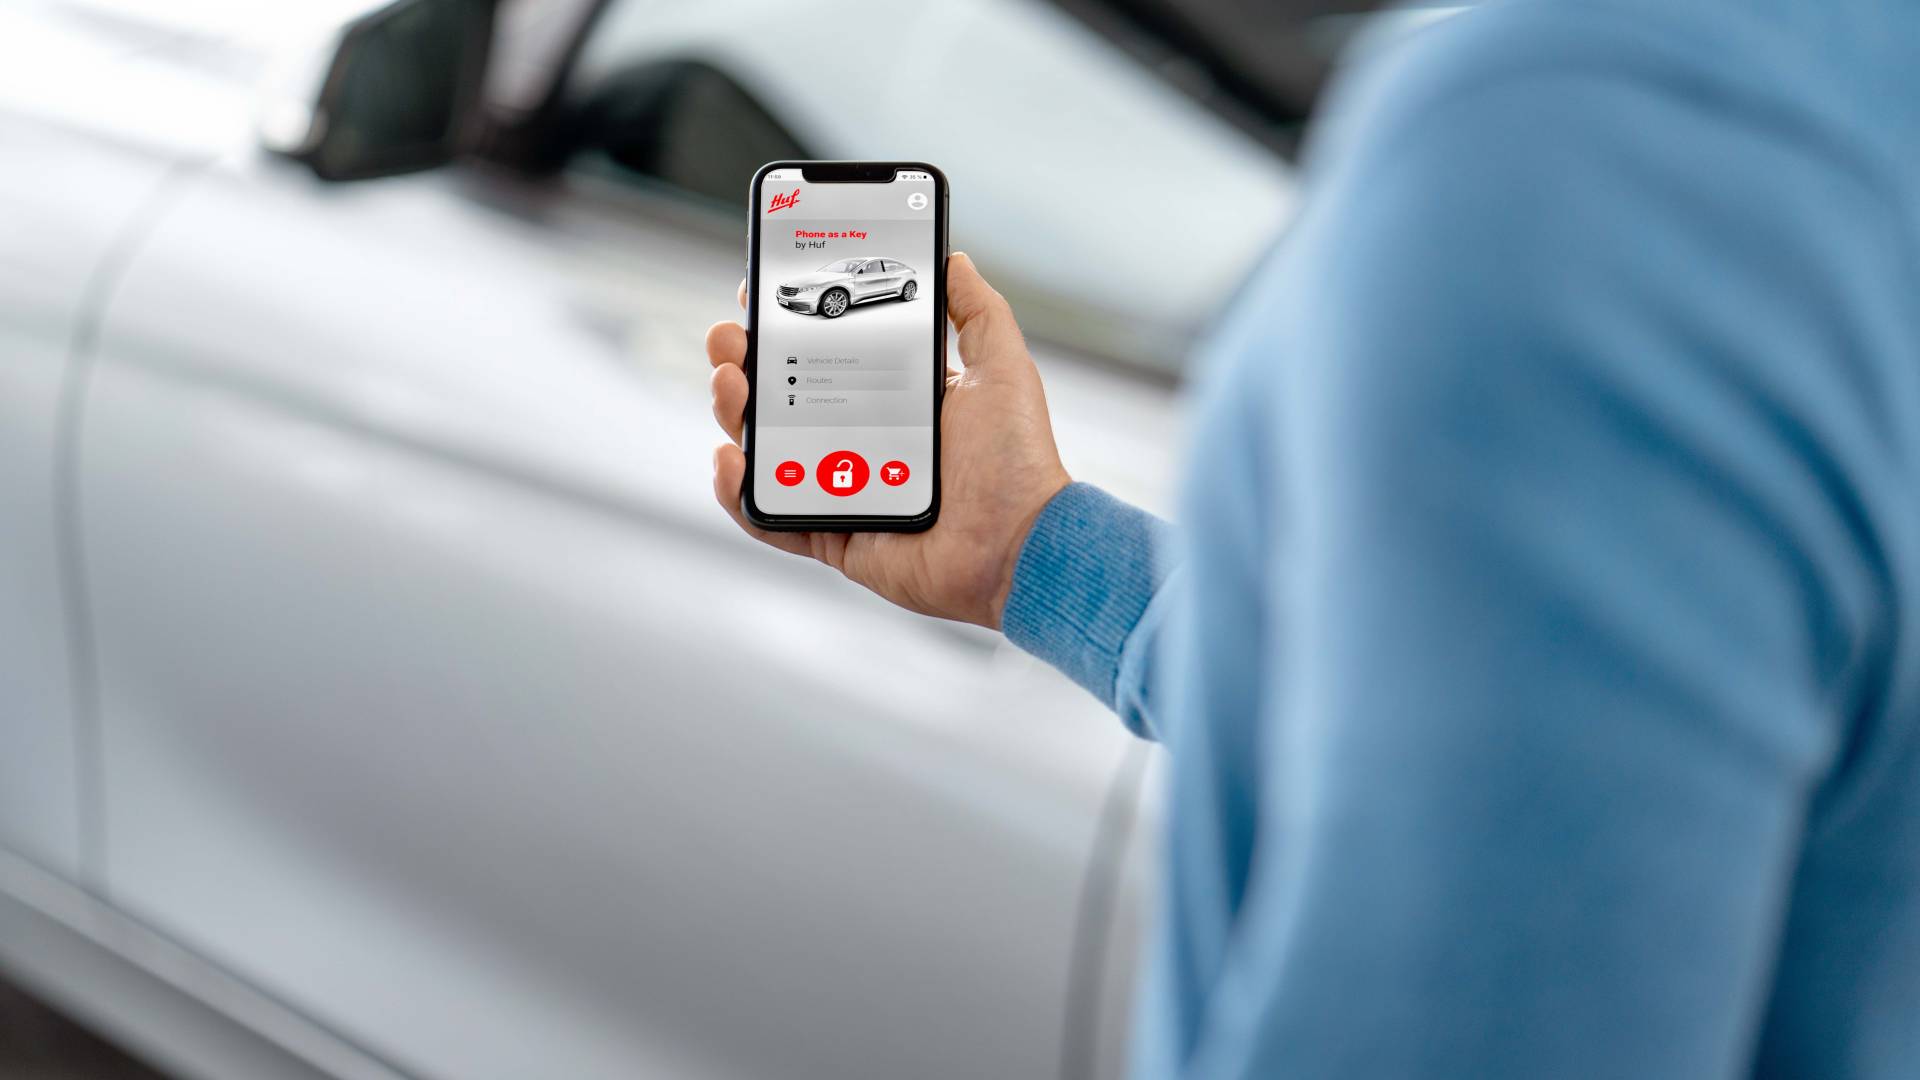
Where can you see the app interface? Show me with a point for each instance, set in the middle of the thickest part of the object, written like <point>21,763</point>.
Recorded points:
<point>845,410</point>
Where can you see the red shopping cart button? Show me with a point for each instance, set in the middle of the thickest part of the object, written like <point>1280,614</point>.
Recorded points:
<point>894,473</point>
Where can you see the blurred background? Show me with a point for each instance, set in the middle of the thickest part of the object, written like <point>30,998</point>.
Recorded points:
<point>381,693</point>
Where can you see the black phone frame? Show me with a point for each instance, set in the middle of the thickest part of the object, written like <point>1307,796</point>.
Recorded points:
<point>848,172</point>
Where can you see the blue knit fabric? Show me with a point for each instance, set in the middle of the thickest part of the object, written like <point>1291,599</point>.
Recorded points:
<point>1542,666</point>
<point>1085,577</point>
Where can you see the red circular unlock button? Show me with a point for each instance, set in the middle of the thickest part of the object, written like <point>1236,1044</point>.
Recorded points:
<point>842,472</point>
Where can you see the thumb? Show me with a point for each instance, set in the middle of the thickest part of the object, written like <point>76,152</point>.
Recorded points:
<point>980,315</point>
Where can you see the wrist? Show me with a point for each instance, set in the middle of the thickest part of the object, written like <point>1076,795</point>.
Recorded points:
<point>1088,566</point>
<point>1016,544</point>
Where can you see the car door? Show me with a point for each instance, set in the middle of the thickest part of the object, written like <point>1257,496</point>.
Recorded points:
<point>68,198</point>
<point>880,283</point>
<point>439,702</point>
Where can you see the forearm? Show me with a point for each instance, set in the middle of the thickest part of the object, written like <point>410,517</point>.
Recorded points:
<point>1090,591</point>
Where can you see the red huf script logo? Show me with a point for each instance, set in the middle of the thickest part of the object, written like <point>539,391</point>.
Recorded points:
<point>781,202</point>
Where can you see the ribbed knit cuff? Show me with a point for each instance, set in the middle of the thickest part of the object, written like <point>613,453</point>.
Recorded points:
<point>1085,575</point>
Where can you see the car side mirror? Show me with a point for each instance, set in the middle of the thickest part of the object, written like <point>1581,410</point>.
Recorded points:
<point>397,91</point>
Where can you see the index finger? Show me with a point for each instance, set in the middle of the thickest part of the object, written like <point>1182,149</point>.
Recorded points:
<point>726,344</point>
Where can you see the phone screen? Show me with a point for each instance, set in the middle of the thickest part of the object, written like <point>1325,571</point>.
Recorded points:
<point>847,301</point>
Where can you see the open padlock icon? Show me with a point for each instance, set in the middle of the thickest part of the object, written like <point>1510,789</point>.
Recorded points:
<point>842,473</point>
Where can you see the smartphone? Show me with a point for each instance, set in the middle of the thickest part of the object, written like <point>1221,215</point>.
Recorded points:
<point>846,345</point>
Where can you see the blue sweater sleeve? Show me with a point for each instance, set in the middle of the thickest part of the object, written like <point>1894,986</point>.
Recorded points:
<point>1091,588</point>
<point>1573,602</point>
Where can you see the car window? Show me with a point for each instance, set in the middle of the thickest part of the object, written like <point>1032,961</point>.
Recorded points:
<point>1082,257</point>
<point>682,124</point>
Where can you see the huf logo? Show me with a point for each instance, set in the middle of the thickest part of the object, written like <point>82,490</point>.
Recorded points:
<point>781,202</point>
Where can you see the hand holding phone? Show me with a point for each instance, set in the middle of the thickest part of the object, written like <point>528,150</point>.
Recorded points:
<point>999,467</point>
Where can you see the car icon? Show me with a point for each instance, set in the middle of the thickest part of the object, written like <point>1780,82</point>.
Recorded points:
<point>839,285</point>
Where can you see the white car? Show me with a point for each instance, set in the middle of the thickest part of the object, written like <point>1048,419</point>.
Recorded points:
<point>381,692</point>
<point>842,283</point>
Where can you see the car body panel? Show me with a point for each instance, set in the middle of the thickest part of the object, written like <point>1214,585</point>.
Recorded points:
<point>437,702</point>
<point>69,197</point>
<point>418,620</point>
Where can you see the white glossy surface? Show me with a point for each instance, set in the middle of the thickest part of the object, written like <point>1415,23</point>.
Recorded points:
<point>441,704</point>
<point>65,198</point>
<point>417,623</point>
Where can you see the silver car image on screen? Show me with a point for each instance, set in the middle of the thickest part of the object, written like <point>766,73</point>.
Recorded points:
<point>839,285</point>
